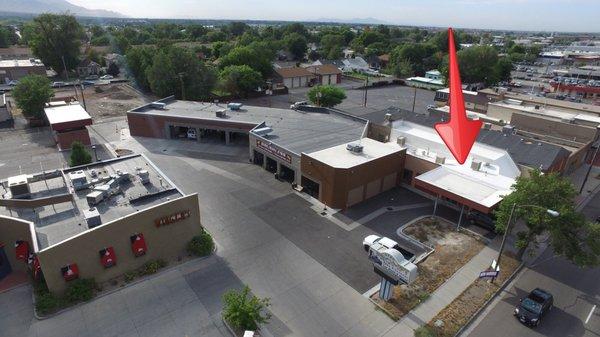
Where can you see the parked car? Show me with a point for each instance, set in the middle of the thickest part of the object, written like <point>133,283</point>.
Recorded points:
<point>532,308</point>
<point>92,77</point>
<point>13,83</point>
<point>482,220</point>
<point>431,107</point>
<point>88,83</point>
<point>377,243</point>
<point>191,133</point>
<point>106,77</point>
<point>58,84</point>
<point>298,104</point>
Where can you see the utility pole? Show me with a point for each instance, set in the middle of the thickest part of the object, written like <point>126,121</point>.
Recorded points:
<point>414,100</point>
<point>83,97</point>
<point>366,90</point>
<point>65,67</point>
<point>182,86</point>
<point>587,174</point>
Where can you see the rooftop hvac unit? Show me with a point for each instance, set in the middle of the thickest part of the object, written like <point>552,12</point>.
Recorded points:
<point>569,120</point>
<point>221,113</point>
<point>476,165</point>
<point>354,148</point>
<point>92,217</point>
<point>263,131</point>
<point>401,141</point>
<point>440,160</point>
<point>144,176</point>
<point>387,118</point>
<point>234,106</point>
<point>159,105</point>
<point>508,129</point>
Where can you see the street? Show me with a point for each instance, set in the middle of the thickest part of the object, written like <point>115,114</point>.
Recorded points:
<point>576,298</point>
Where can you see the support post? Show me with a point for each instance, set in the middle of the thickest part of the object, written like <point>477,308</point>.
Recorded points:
<point>462,209</point>
<point>435,204</point>
<point>385,289</point>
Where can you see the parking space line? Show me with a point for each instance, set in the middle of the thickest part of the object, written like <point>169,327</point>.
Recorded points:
<point>590,314</point>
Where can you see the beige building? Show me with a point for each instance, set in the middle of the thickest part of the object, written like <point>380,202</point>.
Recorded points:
<point>95,221</point>
<point>14,70</point>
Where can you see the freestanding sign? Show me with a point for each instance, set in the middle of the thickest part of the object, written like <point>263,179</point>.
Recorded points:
<point>393,268</point>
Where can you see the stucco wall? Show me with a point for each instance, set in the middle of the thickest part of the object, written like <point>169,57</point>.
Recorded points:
<point>11,230</point>
<point>165,242</point>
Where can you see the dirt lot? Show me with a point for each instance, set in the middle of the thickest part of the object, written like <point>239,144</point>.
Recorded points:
<point>456,314</point>
<point>103,101</point>
<point>452,250</point>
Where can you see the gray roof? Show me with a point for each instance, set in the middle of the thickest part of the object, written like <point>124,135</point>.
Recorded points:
<point>524,151</point>
<point>294,130</point>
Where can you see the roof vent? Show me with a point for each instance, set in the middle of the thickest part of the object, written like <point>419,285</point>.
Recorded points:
<point>476,165</point>
<point>221,113</point>
<point>354,148</point>
<point>508,129</point>
<point>401,141</point>
<point>159,105</point>
<point>263,131</point>
<point>440,160</point>
<point>387,118</point>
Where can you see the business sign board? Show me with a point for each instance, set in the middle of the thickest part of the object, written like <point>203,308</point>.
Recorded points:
<point>489,273</point>
<point>169,219</point>
<point>267,147</point>
<point>391,264</point>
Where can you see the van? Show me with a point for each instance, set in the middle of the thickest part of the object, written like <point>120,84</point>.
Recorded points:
<point>191,133</point>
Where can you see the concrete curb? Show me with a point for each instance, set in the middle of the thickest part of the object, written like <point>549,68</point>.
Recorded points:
<point>126,285</point>
<point>489,301</point>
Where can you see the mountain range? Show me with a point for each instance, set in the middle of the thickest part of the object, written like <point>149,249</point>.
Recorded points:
<point>53,6</point>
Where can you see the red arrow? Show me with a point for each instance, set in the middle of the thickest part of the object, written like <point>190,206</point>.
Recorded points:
<point>460,132</point>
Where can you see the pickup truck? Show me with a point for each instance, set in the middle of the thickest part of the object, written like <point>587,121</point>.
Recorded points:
<point>532,308</point>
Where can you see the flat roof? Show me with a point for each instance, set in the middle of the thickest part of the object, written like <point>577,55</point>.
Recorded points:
<point>294,130</point>
<point>530,99</point>
<point>59,222</point>
<point>66,113</point>
<point>552,113</point>
<point>340,157</point>
<point>426,80</point>
<point>20,63</point>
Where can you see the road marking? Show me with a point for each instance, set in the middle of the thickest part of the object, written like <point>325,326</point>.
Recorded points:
<point>590,314</point>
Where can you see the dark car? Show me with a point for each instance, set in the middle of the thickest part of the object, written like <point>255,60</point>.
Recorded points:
<point>482,220</point>
<point>532,308</point>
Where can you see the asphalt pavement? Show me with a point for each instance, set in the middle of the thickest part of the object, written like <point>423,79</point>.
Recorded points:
<point>576,293</point>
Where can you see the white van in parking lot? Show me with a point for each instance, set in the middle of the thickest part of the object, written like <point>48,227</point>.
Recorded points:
<point>191,134</point>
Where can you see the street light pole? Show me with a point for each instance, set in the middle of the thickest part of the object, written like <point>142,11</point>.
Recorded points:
<point>587,174</point>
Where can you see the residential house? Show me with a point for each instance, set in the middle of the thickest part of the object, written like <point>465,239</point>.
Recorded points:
<point>294,77</point>
<point>326,74</point>
<point>88,67</point>
<point>357,64</point>
<point>14,70</point>
<point>433,80</point>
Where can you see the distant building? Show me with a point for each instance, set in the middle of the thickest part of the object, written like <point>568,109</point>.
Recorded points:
<point>433,80</point>
<point>87,68</point>
<point>14,70</point>
<point>326,74</point>
<point>294,77</point>
<point>357,64</point>
<point>473,100</point>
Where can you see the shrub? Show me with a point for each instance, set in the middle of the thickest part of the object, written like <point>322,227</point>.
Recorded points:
<point>244,311</point>
<point>130,276</point>
<point>151,267</point>
<point>425,331</point>
<point>46,303</point>
<point>79,155</point>
<point>201,245</point>
<point>80,290</point>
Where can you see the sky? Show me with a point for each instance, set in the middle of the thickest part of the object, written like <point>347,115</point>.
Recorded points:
<point>546,15</point>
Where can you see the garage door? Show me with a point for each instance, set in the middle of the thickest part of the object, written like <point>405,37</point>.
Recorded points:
<point>373,188</point>
<point>389,181</point>
<point>288,82</point>
<point>355,196</point>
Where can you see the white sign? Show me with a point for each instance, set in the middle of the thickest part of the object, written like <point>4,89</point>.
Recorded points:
<point>393,264</point>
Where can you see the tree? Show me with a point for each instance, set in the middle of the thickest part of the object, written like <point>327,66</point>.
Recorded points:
<point>55,39</point>
<point>247,56</point>
<point>296,44</point>
<point>240,80</point>
<point>79,155</point>
<point>113,69</point>
<point>31,94</point>
<point>402,69</point>
<point>570,234</point>
<point>478,64</point>
<point>7,37</point>
<point>177,71</point>
<point>244,311</point>
<point>326,95</point>
<point>139,59</point>
<point>332,45</point>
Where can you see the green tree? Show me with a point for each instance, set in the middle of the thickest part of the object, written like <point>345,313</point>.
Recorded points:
<point>296,45</point>
<point>177,71</point>
<point>402,69</point>
<point>31,94</point>
<point>7,37</point>
<point>247,56</point>
<point>332,46</point>
<point>139,59</point>
<point>113,69</point>
<point>570,234</point>
<point>240,80</point>
<point>326,95</point>
<point>245,311</point>
<point>54,39</point>
<point>479,64</point>
<point>79,155</point>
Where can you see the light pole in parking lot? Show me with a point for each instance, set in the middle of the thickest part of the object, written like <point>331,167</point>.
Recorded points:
<point>550,212</point>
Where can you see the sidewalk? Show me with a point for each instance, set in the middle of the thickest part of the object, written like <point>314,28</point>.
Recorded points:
<point>446,293</point>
